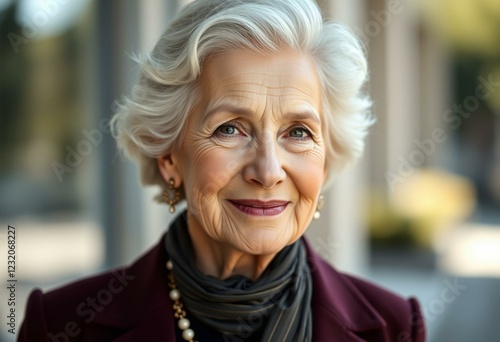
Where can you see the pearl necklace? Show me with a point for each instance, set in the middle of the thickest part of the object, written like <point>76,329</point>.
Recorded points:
<point>179,313</point>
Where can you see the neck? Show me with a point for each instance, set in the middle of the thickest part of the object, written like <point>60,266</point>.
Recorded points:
<point>221,260</point>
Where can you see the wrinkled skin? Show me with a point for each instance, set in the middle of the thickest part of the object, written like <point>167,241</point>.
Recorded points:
<point>254,135</point>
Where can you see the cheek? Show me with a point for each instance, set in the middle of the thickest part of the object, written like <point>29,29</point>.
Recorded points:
<point>308,173</point>
<point>211,169</point>
<point>212,172</point>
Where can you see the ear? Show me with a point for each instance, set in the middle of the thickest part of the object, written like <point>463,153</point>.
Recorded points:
<point>169,168</point>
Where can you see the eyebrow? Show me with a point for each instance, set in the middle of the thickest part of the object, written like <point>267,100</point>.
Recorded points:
<point>305,115</point>
<point>227,107</point>
<point>292,116</point>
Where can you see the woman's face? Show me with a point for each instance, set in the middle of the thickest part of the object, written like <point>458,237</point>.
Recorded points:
<point>252,158</point>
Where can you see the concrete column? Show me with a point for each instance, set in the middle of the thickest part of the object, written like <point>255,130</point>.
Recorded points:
<point>402,85</point>
<point>436,96</point>
<point>118,212</point>
<point>154,16</point>
<point>375,39</point>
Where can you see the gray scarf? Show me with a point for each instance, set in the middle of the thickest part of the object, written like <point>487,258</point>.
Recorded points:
<point>278,303</point>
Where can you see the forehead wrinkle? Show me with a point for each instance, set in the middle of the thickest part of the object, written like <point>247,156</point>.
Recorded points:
<point>242,93</point>
<point>294,106</point>
<point>290,81</point>
<point>240,99</point>
<point>246,92</point>
<point>288,93</point>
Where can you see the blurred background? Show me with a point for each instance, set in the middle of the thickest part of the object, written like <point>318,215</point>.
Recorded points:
<point>420,214</point>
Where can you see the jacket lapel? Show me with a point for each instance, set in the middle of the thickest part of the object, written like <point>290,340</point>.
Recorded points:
<point>339,309</point>
<point>144,311</point>
<point>155,327</point>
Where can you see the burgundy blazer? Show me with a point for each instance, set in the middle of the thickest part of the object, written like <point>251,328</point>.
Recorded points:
<point>132,304</point>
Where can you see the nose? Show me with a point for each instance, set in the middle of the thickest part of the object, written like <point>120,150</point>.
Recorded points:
<point>265,169</point>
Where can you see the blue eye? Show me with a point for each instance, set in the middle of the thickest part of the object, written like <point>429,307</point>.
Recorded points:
<point>228,129</point>
<point>299,132</point>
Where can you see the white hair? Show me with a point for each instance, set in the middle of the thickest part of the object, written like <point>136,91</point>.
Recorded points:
<point>149,122</point>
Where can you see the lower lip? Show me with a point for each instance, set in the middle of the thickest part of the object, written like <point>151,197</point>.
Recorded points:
<point>260,211</point>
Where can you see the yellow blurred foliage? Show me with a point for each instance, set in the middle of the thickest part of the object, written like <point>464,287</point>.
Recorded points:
<point>435,201</point>
<point>427,204</point>
<point>471,25</point>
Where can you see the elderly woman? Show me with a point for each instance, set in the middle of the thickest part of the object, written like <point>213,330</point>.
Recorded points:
<point>246,110</point>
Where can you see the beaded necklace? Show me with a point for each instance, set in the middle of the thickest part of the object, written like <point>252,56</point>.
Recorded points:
<point>182,322</point>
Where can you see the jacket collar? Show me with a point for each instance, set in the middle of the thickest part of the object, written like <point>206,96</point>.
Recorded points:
<point>145,295</point>
<point>337,303</point>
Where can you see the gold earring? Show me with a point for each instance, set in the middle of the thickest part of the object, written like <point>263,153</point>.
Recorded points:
<point>317,213</point>
<point>174,199</point>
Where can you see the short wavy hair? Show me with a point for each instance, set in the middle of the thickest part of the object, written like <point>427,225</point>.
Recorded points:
<point>149,123</point>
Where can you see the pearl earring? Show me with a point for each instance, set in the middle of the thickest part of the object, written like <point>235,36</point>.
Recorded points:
<point>317,213</point>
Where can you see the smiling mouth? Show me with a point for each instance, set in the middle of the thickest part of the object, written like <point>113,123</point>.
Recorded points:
<point>260,208</point>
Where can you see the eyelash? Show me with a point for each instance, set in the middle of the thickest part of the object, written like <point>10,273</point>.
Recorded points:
<point>303,129</point>
<point>238,128</point>
<point>230,125</point>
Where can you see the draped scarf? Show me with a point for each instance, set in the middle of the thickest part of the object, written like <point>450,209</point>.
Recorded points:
<point>278,304</point>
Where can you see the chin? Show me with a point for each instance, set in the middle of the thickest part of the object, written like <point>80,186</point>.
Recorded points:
<point>264,241</point>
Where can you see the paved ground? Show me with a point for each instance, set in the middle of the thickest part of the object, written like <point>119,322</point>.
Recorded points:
<point>458,309</point>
